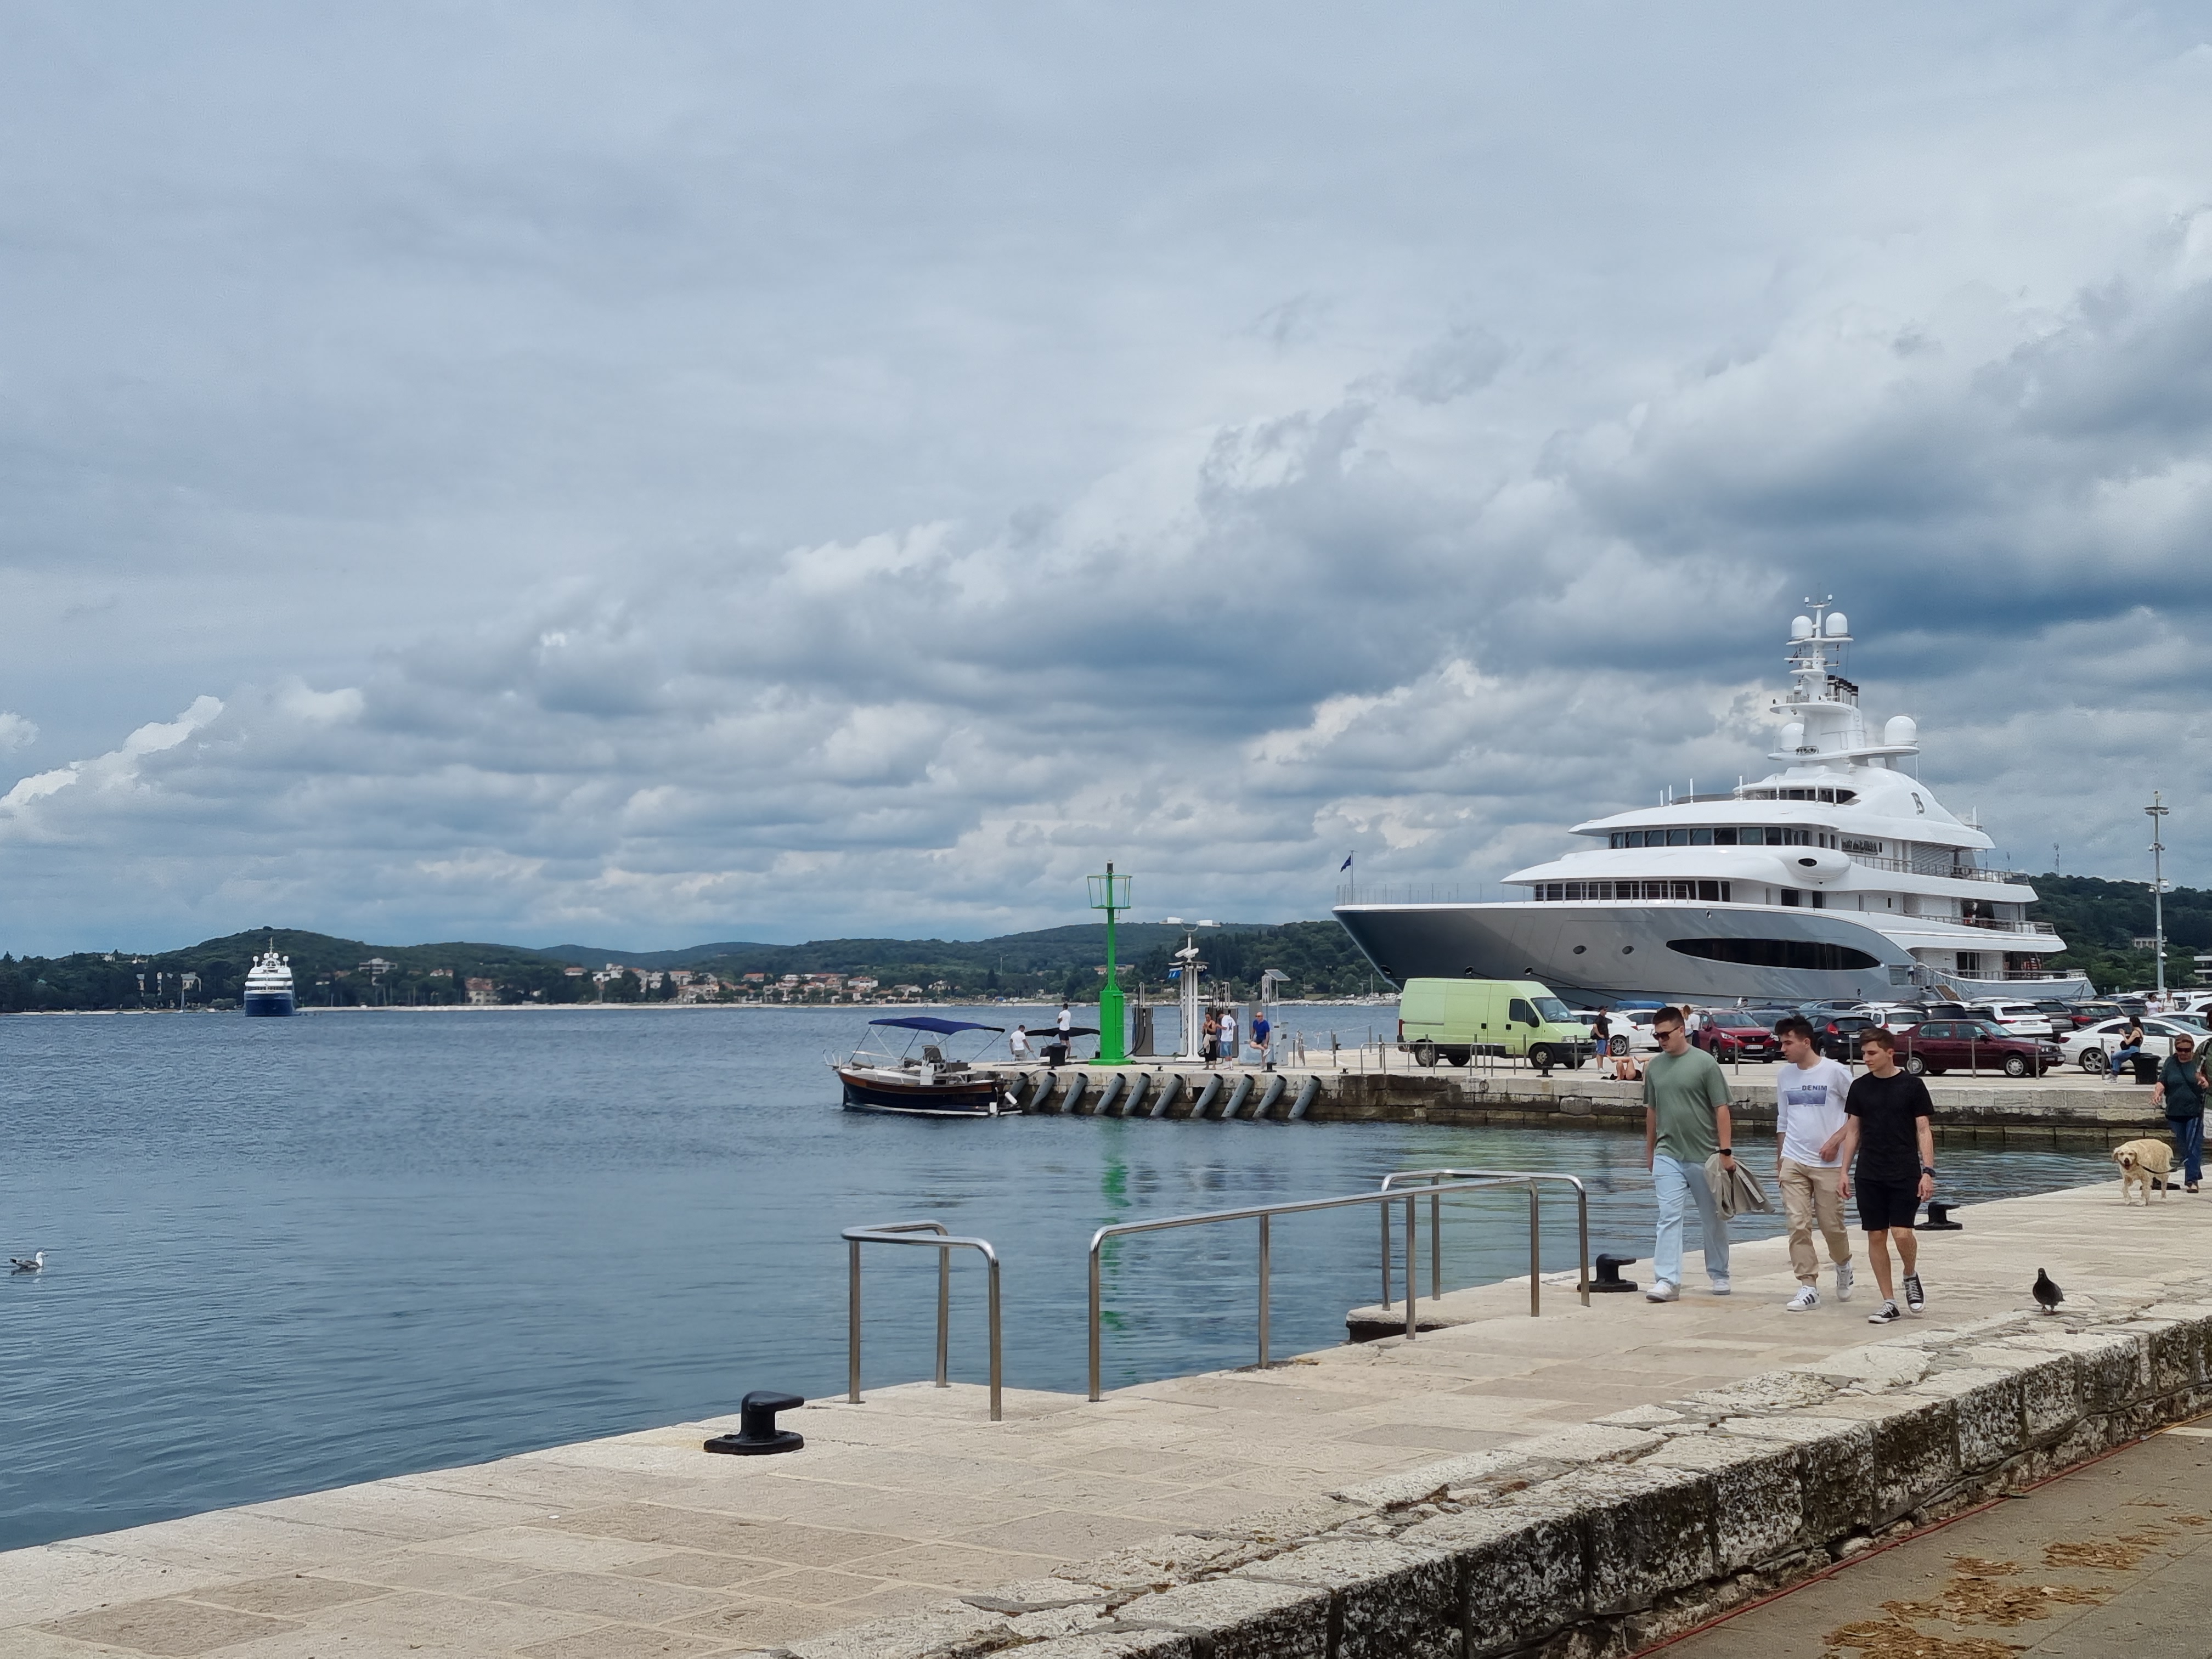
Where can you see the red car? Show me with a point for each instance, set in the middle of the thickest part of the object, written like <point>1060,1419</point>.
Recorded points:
<point>1736,1037</point>
<point>1937,1046</point>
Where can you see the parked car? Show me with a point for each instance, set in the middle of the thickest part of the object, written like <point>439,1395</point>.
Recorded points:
<point>1726,1034</point>
<point>1632,1032</point>
<point>2020,1018</point>
<point>1892,1016</point>
<point>2086,1014</point>
<point>2092,1049</point>
<point>1839,1035</point>
<point>1937,1046</point>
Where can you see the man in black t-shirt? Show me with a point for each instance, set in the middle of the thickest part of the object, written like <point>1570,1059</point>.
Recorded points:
<point>1886,1128</point>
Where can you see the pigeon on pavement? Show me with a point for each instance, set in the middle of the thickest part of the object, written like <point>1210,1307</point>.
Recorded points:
<point>2047,1292</point>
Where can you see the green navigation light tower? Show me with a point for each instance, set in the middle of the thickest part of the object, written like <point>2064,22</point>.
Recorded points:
<point>1110,893</point>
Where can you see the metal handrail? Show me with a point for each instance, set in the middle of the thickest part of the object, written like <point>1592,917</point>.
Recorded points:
<point>1262,1214</point>
<point>930,1234</point>
<point>1513,1178</point>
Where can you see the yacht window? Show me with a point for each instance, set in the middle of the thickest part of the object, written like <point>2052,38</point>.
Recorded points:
<point>1724,837</point>
<point>1678,838</point>
<point>1813,954</point>
<point>1613,841</point>
<point>1753,837</point>
<point>1791,898</point>
<point>1701,838</point>
<point>1712,891</point>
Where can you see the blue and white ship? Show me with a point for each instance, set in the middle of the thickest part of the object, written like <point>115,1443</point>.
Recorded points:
<point>269,986</point>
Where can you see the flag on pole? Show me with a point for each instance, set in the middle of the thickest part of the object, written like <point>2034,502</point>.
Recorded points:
<point>1347,865</point>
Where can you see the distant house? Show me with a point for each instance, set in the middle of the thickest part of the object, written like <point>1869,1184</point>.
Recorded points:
<point>570,972</point>
<point>859,985</point>
<point>441,973</point>
<point>483,993</point>
<point>755,978</point>
<point>2143,942</point>
<point>376,965</point>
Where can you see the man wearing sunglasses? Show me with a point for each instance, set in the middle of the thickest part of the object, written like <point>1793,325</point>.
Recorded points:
<point>1686,1122</point>
<point>2182,1082</point>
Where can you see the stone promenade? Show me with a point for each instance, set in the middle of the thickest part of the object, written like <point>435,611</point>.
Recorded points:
<point>1588,1481</point>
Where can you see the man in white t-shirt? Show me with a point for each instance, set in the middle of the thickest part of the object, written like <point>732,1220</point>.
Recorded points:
<point>1808,1129</point>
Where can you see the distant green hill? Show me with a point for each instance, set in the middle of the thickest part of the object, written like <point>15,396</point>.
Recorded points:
<point>1053,963</point>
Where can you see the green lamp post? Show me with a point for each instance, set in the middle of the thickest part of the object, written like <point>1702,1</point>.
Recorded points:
<point>1110,893</point>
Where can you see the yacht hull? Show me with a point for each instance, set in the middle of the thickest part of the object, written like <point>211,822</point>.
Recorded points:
<point>1604,952</point>
<point>268,1005</point>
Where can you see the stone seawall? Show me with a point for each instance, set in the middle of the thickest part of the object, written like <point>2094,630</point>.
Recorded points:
<point>2026,1113</point>
<point>1601,1540</point>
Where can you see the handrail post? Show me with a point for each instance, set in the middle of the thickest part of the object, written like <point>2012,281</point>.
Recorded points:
<point>1435,1246</point>
<point>1264,1267</point>
<point>853,1326</point>
<point>944,1316</point>
<point>992,1257</point>
<point>1382,1212</point>
<point>1096,1241</point>
<point>1413,1259</point>
<point>1536,1247</point>
<point>1581,1229</point>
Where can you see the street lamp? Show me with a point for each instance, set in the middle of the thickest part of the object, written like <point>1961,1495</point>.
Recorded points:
<point>2157,810</point>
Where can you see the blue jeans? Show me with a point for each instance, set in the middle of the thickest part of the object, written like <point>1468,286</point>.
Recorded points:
<point>2121,1061</point>
<point>2189,1143</point>
<point>1679,1185</point>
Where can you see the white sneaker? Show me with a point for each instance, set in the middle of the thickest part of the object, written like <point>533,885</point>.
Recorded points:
<point>1807,1299</point>
<point>1661,1291</point>
<point>1721,1287</point>
<point>1843,1281</point>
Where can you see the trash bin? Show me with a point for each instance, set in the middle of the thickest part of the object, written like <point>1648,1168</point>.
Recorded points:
<point>2146,1069</point>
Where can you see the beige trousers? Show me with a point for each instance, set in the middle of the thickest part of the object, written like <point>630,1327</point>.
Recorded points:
<point>1808,1194</point>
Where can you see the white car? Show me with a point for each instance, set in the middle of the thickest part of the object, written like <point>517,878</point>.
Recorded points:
<point>2020,1018</point>
<point>2091,1048</point>
<point>1631,1032</point>
<point>1891,1016</point>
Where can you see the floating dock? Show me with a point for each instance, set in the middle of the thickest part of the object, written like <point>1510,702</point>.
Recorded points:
<point>1598,1476</point>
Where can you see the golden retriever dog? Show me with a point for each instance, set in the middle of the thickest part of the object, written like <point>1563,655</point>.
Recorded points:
<point>2141,1163</point>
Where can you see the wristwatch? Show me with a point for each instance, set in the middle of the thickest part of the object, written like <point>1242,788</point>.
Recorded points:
<point>1928,1169</point>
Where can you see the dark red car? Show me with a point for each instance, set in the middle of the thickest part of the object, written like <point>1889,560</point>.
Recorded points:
<point>1937,1046</point>
<point>1736,1037</point>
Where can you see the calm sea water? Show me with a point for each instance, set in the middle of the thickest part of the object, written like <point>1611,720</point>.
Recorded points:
<point>286,1254</point>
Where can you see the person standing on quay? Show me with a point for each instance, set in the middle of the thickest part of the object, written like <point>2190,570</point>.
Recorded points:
<point>1808,1129</point>
<point>1890,1135</point>
<point>1686,1122</point>
<point>1230,1054</point>
<point>1261,1031</point>
<point>1213,1037</point>
<point>2182,1081</point>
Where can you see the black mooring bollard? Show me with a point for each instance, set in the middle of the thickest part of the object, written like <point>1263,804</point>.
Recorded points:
<point>1608,1273</point>
<point>1939,1219</point>
<point>757,1434</point>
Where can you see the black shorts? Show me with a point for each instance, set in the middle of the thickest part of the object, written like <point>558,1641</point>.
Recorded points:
<point>1886,1204</point>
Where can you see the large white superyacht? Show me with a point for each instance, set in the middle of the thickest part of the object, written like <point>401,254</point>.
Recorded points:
<point>1840,876</point>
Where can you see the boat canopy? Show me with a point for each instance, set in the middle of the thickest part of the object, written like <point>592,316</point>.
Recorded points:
<point>942,1027</point>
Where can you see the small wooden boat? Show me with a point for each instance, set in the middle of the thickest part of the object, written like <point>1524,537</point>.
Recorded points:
<point>919,1080</point>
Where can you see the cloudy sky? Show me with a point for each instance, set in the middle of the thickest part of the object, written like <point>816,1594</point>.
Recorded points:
<point>647,473</point>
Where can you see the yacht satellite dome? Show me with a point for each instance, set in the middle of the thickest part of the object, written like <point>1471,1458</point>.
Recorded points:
<point>1793,734</point>
<point>1901,729</point>
<point>1800,627</point>
<point>1839,624</point>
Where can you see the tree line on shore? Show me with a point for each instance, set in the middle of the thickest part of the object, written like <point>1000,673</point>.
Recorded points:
<point>2099,919</point>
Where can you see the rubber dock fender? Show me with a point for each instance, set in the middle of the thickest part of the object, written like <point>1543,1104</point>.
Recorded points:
<point>1236,1096</point>
<point>1276,1084</point>
<point>1306,1097</point>
<point>1204,1104</point>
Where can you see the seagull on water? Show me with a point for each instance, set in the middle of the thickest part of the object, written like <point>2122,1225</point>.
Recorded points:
<point>2047,1292</point>
<point>32,1263</point>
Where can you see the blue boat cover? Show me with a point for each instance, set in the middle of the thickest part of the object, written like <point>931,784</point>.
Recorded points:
<point>930,1023</point>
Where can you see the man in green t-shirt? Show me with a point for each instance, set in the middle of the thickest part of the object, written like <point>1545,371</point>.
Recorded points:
<point>1686,1122</point>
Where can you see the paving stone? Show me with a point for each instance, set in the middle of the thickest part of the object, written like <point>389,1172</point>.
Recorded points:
<point>1990,1412</point>
<point>953,1630</point>
<point>1393,1599</point>
<point>1241,1620</point>
<point>1758,1495</point>
<point>1525,1570</point>
<point>293,1592</point>
<point>1651,1529</point>
<point>168,1627</point>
